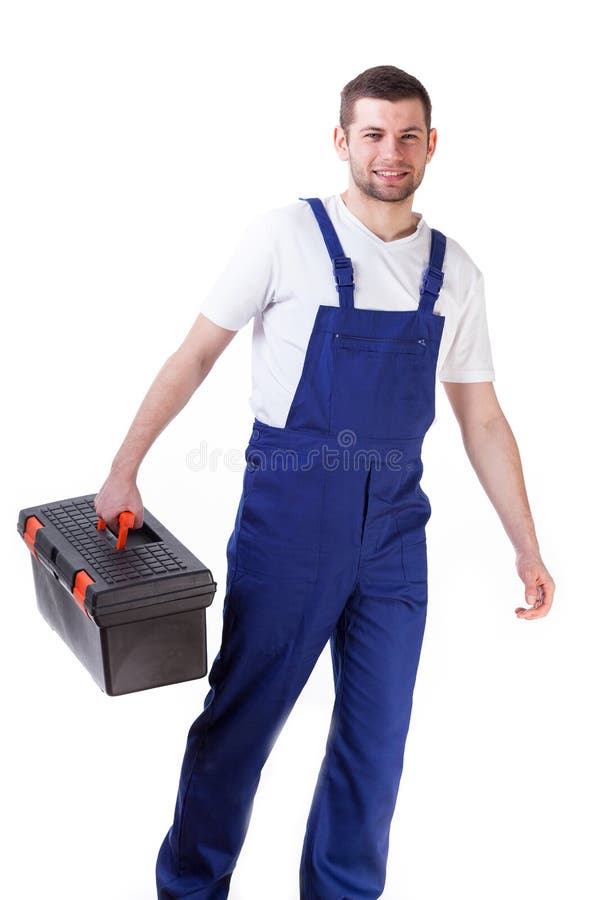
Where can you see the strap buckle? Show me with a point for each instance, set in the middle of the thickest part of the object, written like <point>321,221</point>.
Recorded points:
<point>343,272</point>
<point>433,280</point>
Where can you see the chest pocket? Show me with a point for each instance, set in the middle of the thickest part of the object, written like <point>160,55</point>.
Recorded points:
<point>411,346</point>
<point>382,387</point>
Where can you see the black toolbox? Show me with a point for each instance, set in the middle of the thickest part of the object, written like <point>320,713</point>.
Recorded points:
<point>132,609</point>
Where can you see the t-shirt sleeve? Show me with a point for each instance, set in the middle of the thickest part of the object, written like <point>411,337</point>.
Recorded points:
<point>246,284</point>
<point>469,357</point>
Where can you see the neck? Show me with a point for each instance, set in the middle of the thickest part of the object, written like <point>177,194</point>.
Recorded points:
<point>388,220</point>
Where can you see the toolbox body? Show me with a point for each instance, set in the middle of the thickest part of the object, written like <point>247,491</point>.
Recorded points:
<point>135,617</point>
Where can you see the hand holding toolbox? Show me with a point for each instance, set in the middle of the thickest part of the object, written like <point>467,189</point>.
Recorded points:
<point>132,608</point>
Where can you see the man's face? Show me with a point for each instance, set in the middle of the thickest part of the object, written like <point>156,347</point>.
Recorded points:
<point>387,147</point>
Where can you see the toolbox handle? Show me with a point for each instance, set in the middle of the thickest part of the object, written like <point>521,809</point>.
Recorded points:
<point>126,520</point>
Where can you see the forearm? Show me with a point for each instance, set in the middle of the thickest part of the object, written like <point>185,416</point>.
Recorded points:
<point>494,455</point>
<point>175,383</point>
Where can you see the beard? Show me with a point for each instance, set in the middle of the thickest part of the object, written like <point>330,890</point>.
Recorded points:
<point>392,193</point>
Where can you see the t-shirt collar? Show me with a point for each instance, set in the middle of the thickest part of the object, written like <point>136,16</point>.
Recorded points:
<point>358,224</point>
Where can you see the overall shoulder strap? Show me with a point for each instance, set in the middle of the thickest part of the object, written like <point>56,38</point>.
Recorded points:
<point>342,264</point>
<point>433,277</point>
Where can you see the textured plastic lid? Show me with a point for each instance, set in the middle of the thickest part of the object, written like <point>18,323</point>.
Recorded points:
<point>153,564</point>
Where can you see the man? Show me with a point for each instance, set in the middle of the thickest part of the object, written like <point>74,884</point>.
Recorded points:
<point>358,306</point>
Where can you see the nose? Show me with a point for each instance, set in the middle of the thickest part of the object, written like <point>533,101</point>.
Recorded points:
<point>393,148</point>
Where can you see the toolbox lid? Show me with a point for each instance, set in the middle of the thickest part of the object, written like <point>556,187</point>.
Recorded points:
<point>64,537</point>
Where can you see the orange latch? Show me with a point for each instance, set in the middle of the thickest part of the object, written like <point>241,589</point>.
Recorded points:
<point>82,579</point>
<point>31,526</point>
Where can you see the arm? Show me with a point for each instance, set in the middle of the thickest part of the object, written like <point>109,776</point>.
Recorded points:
<point>182,373</point>
<point>493,453</point>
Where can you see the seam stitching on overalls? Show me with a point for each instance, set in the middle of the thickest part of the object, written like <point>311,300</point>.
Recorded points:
<point>318,565</point>
<point>350,626</point>
<point>200,748</point>
<point>187,790</point>
<point>402,556</point>
<point>326,780</point>
<point>332,383</point>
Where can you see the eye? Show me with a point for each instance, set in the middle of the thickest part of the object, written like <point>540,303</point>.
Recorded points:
<point>413,137</point>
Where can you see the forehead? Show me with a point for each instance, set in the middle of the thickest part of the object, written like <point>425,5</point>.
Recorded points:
<point>388,113</point>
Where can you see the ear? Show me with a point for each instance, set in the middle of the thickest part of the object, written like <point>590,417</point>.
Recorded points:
<point>340,143</point>
<point>432,144</point>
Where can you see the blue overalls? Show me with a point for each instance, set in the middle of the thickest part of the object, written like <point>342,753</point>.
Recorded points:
<point>328,544</point>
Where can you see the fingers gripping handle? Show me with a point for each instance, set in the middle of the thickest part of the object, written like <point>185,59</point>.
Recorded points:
<point>126,520</point>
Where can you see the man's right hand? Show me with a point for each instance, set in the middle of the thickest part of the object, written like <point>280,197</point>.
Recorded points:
<point>119,493</point>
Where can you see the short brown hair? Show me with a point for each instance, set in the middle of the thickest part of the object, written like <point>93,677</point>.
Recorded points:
<point>384,83</point>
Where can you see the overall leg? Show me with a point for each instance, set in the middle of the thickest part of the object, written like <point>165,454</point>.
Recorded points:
<point>375,651</point>
<point>273,633</point>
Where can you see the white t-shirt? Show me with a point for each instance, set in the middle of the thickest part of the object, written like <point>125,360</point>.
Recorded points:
<point>280,272</point>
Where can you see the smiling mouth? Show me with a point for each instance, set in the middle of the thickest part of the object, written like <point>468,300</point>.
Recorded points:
<point>390,174</point>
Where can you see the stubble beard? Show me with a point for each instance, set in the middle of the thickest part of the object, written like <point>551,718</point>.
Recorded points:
<point>391,194</point>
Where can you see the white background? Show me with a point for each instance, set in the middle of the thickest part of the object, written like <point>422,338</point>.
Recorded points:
<point>138,141</point>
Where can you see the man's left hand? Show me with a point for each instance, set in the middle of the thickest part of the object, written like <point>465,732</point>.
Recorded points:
<point>539,587</point>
